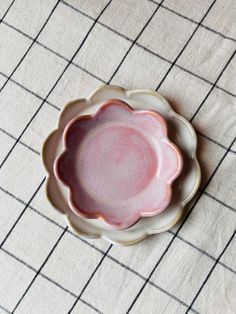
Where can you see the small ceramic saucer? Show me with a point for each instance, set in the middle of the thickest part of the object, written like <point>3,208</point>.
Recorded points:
<point>118,164</point>
<point>180,133</point>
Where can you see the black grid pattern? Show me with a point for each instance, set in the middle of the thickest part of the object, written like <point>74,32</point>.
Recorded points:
<point>105,254</point>
<point>146,280</point>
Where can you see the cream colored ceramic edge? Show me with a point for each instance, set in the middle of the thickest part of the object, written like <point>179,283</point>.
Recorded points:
<point>197,166</point>
<point>88,102</point>
<point>142,237</point>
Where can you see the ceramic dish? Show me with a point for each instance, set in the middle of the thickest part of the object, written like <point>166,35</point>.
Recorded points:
<point>118,164</point>
<point>180,132</point>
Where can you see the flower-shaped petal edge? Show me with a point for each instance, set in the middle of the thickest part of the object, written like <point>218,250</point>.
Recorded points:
<point>154,101</point>
<point>63,163</point>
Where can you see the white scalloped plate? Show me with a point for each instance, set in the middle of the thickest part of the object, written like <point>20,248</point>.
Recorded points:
<point>184,188</point>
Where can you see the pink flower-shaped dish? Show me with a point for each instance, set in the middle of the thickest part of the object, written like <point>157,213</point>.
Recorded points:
<point>118,164</point>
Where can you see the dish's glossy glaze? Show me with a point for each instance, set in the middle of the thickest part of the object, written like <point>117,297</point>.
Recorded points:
<point>118,164</point>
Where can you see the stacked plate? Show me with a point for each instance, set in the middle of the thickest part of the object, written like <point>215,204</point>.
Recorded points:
<point>121,165</point>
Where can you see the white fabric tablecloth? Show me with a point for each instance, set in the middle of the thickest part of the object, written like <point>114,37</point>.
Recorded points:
<point>54,51</point>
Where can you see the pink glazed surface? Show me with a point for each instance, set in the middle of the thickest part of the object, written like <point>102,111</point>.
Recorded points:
<point>118,164</point>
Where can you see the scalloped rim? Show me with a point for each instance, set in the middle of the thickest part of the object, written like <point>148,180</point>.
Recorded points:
<point>88,102</point>
<point>142,214</point>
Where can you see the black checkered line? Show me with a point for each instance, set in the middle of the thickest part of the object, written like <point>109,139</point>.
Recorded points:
<point>223,203</point>
<point>134,41</point>
<point>103,252</point>
<point>180,227</point>
<point>39,270</point>
<point>191,20</point>
<point>64,231</point>
<point>89,280</point>
<point>4,309</point>
<point>186,44</point>
<point>22,213</point>
<point>144,48</point>
<point>210,272</point>
<point>88,283</point>
<point>31,45</point>
<point>49,280</point>
<point>111,258</point>
<point>4,15</point>
<point>29,91</point>
<point>72,58</point>
<point>116,261</point>
<point>22,143</point>
<point>55,84</point>
<point>125,37</point>
<point>211,89</point>
<point>121,35</point>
